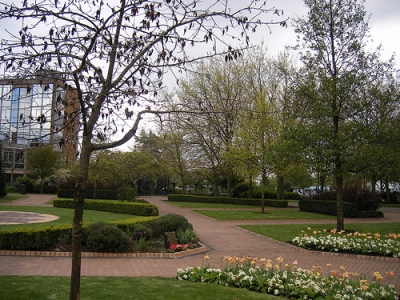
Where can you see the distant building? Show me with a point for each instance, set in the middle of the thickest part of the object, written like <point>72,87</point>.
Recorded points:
<point>35,111</point>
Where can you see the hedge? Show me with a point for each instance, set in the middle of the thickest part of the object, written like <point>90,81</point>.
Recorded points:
<point>130,208</point>
<point>89,194</point>
<point>43,238</point>
<point>49,237</point>
<point>329,208</point>
<point>226,200</point>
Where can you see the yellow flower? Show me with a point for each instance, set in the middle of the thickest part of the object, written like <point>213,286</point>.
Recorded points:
<point>279,259</point>
<point>342,268</point>
<point>308,228</point>
<point>206,257</point>
<point>329,265</point>
<point>287,266</point>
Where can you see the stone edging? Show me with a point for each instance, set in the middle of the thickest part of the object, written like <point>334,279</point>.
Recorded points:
<point>322,253</point>
<point>189,252</point>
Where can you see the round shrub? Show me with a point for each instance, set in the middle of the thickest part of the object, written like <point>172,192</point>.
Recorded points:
<point>367,201</point>
<point>103,237</point>
<point>141,231</point>
<point>170,222</point>
<point>239,189</point>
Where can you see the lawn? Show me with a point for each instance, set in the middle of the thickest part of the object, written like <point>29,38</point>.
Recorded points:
<point>138,288</point>
<point>270,214</point>
<point>65,214</point>
<point>287,233</point>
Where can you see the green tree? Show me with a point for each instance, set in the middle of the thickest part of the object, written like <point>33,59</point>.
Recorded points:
<point>338,72</point>
<point>114,55</point>
<point>43,162</point>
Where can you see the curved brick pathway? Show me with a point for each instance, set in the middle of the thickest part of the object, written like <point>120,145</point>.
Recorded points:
<point>221,238</point>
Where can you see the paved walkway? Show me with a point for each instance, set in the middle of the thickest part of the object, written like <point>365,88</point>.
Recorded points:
<point>222,239</point>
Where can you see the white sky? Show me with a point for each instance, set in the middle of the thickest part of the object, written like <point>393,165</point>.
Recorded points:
<point>384,25</point>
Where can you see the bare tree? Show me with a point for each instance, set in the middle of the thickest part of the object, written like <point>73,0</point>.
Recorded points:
<point>114,54</point>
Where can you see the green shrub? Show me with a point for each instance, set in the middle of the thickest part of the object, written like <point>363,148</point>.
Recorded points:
<point>103,237</point>
<point>12,189</point>
<point>240,189</point>
<point>141,245</point>
<point>130,208</point>
<point>28,183</point>
<point>328,207</point>
<point>367,201</point>
<point>43,238</point>
<point>170,222</point>
<point>139,231</point>
<point>370,214</point>
<point>127,193</point>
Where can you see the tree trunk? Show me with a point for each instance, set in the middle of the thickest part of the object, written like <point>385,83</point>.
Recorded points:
<point>339,202</point>
<point>250,187</point>
<point>280,190</point>
<point>78,220</point>
<point>263,176</point>
<point>388,200</point>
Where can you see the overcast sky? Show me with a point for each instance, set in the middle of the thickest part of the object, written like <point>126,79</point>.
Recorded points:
<point>384,23</point>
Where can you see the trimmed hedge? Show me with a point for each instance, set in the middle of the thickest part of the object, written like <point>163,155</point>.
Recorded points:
<point>225,200</point>
<point>329,208</point>
<point>89,194</point>
<point>130,208</point>
<point>42,238</point>
<point>49,237</point>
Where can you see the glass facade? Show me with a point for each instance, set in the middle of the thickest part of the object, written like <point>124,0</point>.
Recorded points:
<point>27,114</point>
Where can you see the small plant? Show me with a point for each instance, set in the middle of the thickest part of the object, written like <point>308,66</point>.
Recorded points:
<point>187,236</point>
<point>138,231</point>
<point>12,189</point>
<point>141,245</point>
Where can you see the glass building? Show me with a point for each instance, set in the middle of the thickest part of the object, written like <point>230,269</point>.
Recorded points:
<point>34,112</point>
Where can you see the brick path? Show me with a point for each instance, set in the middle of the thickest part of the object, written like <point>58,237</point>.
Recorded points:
<point>222,239</point>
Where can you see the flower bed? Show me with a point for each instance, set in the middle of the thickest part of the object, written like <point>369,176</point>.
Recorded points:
<point>365,243</point>
<point>285,279</point>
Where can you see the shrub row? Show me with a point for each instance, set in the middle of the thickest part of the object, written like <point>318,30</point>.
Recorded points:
<point>130,208</point>
<point>226,200</point>
<point>329,208</point>
<point>89,194</point>
<point>40,238</point>
<point>49,237</point>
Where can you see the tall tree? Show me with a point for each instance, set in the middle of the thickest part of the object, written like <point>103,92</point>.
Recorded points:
<point>334,34</point>
<point>43,162</point>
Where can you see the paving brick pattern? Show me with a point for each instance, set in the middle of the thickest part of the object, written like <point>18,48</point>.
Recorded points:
<point>221,238</point>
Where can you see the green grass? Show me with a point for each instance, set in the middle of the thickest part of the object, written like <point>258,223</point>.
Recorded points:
<point>65,214</point>
<point>11,197</point>
<point>207,205</point>
<point>286,233</point>
<point>138,288</point>
<point>270,214</point>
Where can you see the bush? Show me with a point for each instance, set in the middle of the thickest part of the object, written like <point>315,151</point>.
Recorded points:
<point>328,208</point>
<point>240,189</point>
<point>103,237</point>
<point>367,201</point>
<point>30,188</point>
<point>12,189</point>
<point>127,193</point>
<point>139,231</point>
<point>170,222</point>
<point>131,208</point>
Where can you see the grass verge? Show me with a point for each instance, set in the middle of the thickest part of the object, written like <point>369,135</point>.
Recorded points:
<point>65,214</point>
<point>287,233</point>
<point>270,214</point>
<point>11,197</point>
<point>138,288</point>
